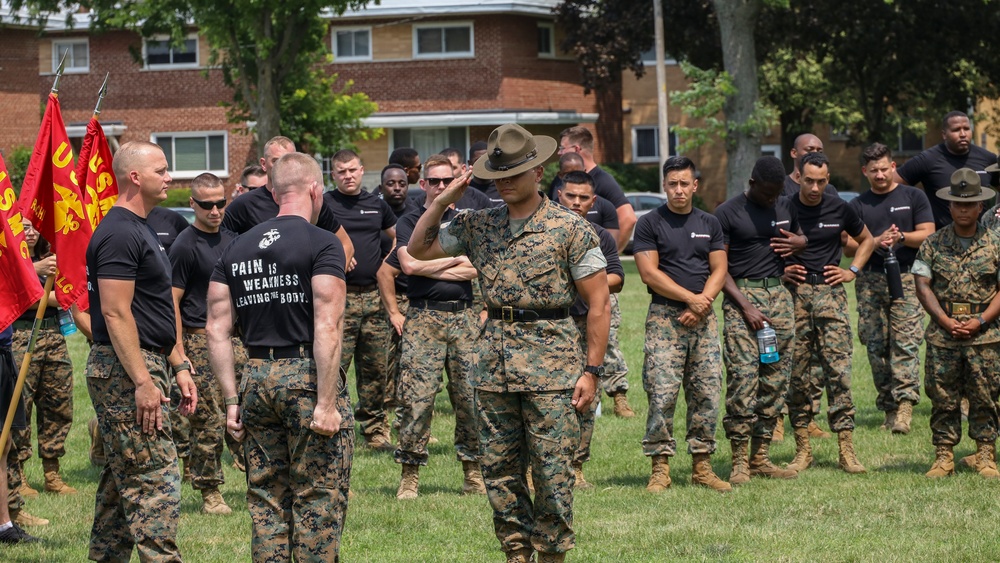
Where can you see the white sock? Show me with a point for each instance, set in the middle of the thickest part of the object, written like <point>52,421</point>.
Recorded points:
<point>8,525</point>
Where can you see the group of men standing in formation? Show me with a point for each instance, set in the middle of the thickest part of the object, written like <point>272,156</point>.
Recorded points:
<point>512,296</point>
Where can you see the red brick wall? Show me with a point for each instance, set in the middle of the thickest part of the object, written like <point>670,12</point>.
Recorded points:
<point>20,106</point>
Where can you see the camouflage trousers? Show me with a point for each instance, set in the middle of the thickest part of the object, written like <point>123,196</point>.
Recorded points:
<point>366,342</point>
<point>540,429</point>
<point>587,418</point>
<point>755,392</point>
<point>48,387</point>
<point>951,374</point>
<point>393,355</point>
<point>434,340</point>
<point>615,369</point>
<point>208,421</point>
<point>139,493</point>
<point>823,334</point>
<point>892,332</point>
<point>8,379</point>
<point>240,359</point>
<point>297,480</point>
<point>676,356</point>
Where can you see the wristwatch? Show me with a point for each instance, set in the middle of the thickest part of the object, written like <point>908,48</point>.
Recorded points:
<point>902,237</point>
<point>854,270</point>
<point>234,400</point>
<point>185,365</point>
<point>596,370</point>
<point>982,322</point>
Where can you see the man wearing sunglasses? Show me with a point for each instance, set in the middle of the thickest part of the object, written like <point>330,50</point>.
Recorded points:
<point>192,259</point>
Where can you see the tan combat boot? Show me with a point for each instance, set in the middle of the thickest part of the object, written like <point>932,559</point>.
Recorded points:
<point>26,490</point>
<point>186,466</point>
<point>741,466</point>
<point>551,557</point>
<point>523,555</point>
<point>472,483</point>
<point>53,482</point>
<point>659,480</point>
<point>890,420</point>
<point>778,435</point>
<point>848,460</point>
<point>408,483</point>
<point>581,481</point>
<point>528,480</point>
<point>803,451</point>
<point>815,431</point>
<point>213,503</point>
<point>986,460</point>
<point>97,456</point>
<point>23,518</point>
<point>760,462</point>
<point>904,416</point>
<point>944,463</point>
<point>702,474</point>
<point>622,409</point>
<point>379,442</point>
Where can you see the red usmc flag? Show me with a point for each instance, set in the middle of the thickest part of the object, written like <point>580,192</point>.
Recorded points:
<point>94,174</point>
<point>19,284</point>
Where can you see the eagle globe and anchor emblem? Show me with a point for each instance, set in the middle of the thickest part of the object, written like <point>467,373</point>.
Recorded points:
<point>269,238</point>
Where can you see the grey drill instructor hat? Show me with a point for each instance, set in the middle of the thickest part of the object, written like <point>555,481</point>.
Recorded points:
<point>994,167</point>
<point>511,150</point>
<point>965,186</point>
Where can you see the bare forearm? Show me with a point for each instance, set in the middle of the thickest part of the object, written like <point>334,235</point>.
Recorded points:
<point>326,352</point>
<point>598,327</point>
<point>459,272</point>
<point>928,300</point>
<point>424,244</point>
<point>125,340</point>
<point>386,278</point>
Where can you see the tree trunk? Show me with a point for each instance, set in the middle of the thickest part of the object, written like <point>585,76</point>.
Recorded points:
<point>268,108</point>
<point>737,20</point>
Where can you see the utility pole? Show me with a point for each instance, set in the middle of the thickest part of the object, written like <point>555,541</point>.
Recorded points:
<point>661,88</point>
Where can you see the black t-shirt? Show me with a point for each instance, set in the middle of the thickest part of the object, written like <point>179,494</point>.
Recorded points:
<point>256,206</point>
<point>823,224</point>
<point>609,248</point>
<point>7,337</point>
<point>607,187</point>
<point>748,228</point>
<point>471,199</point>
<point>388,242</point>
<point>489,188</point>
<point>422,287</point>
<point>193,258</point>
<point>124,247</point>
<point>906,207</point>
<point>269,271</point>
<point>603,214</point>
<point>932,169</point>
<point>167,224</point>
<point>792,189</point>
<point>682,242</point>
<point>364,217</point>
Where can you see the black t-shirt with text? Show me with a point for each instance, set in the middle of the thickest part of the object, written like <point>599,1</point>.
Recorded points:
<point>906,207</point>
<point>125,248</point>
<point>269,271</point>
<point>607,187</point>
<point>193,258</point>
<point>364,217</point>
<point>822,224</point>
<point>609,248</point>
<point>387,241</point>
<point>422,287</point>
<point>932,169</point>
<point>682,243</point>
<point>167,224</point>
<point>748,229</point>
<point>256,206</point>
<point>603,214</point>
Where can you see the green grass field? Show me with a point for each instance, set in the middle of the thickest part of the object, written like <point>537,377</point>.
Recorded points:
<point>892,513</point>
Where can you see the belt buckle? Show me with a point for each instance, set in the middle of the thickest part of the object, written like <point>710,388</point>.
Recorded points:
<point>507,314</point>
<point>961,308</point>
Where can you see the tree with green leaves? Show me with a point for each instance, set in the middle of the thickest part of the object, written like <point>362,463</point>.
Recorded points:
<point>271,55</point>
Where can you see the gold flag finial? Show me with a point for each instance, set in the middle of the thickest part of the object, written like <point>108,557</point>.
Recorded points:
<point>100,95</point>
<point>59,73</point>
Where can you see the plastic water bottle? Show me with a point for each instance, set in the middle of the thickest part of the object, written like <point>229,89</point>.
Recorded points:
<point>893,275</point>
<point>66,324</point>
<point>767,344</point>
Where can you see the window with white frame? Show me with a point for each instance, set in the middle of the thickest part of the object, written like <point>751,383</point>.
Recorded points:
<point>431,140</point>
<point>77,53</point>
<point>438,41</point>
<point>646,143</point>
<point>770,150</point>
<point>192,153</point>
<point>161,53</point>
<point>546,40</point>
<point>353,44</point>
<point>649,58</point>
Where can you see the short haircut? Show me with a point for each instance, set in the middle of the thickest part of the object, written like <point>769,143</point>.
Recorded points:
<point>571,158</point>
<point>404,156</point>
<point>128,155</point>
<point>768,170</point>
<point>875,151</point>
<point>476,147</point>
<point>281,141</point>
<point>205,181</point>
<point>817,159</point>
<point>252,170</point>
<point>436,160</point>
<point>579,136</point>
<point>452,151</point>
<point>295,170</point>
<point>389,167</point>
<point>679,163</point>
<point>578,177</point>
<point>345,155</point>
<point>948,117</point>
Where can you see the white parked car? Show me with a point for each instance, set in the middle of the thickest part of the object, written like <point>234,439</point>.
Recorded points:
<point>643,203</point>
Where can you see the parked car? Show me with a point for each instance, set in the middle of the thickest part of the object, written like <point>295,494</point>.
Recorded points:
<point>186,212</point>
<point>848,196</point>
<point>643,203</point>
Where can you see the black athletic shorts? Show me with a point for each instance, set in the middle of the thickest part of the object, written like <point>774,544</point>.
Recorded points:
<point>8,380</point>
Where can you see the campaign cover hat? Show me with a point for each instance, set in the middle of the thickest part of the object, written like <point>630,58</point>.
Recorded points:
<point>965,186</point>
<point>994,167</point>
<point>511,150</point>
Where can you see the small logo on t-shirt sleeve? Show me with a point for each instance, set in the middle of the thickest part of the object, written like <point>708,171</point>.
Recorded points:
<point>269,238</point>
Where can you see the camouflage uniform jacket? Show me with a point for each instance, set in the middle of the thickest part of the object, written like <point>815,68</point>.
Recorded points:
<point>529,270</point>
<point>961,276</point>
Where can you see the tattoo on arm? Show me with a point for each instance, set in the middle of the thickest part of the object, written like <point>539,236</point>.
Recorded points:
<point>431,234</point>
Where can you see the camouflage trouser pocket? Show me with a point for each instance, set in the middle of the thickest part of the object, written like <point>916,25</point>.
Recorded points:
<point>136,451</point>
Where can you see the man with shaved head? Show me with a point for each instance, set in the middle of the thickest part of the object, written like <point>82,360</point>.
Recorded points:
<point>134,352</point>
<point>804,144</point>
<point>283,282</point>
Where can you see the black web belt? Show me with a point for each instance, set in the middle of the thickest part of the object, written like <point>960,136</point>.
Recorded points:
<point>280,352</point>
<point>513,315</point>
<point>443,306</point>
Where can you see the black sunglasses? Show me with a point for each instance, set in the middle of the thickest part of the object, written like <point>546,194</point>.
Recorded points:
<point>252,188</point>
<point>436,181</point>
<point>208,205</point>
